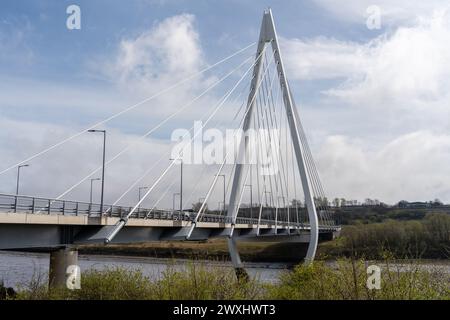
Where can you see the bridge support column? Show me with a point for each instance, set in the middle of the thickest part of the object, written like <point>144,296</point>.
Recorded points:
<point>241,274</point>
<point>64,270</point>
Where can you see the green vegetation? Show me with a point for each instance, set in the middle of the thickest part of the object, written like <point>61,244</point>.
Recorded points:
<point>345,279</point>
<point>375,214</point>
<point>214,249</point>
<point>428,238</point>
<point>196,282</point>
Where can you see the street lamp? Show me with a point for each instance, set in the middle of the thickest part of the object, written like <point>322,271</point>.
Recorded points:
<point>251,199</point>
<point>17,185</point>
<point>103,167</point>
<point>284,203</point>
<point>173,201</point>
<point>90,196</point>
<point>181,183</point>
<point>265,196</point>
<point>140,189</point>
<point>18,176</point>
<point>223,176</point>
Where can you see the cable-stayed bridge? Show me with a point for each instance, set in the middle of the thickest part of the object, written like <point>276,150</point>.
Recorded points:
<point>273,192</point>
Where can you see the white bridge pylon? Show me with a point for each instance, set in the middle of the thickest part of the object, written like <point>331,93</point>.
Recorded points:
<point>261,113</point>
<point>265,124</point>
<point>268,37</point>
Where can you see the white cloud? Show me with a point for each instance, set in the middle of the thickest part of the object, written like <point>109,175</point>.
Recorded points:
<point>389,98</point>
<point>409,65</point>
<point>392,12</point>
<point>143,65</point>
<point>323,58</point>
<point>407,68</point>
<point>76,159</point>
<point>158,58</point>
<point>391,80</point>
<point>411,167</point>
<point>168,52</point>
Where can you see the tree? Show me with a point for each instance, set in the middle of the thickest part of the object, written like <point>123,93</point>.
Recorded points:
<point>321,201</point>
<point>196,206</point>
<point>296,203</point>
<point>336,202</point>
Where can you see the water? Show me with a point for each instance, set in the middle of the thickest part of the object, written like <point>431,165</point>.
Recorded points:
<point>19,268</point>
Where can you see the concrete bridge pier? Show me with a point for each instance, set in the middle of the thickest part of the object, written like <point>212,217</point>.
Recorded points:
<point>64,271</point>
<point>241,274</point>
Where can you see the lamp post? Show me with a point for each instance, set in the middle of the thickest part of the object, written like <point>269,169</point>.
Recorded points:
<point>181,183</point>
<point>140,189</point>
<point>18,176</point>
<point>90,194</point>
<point>284,203</point>
<point>103,167</point>
<point>265,196</point>
<point>173,201</point>
<point>223,176</point>
<point>17,185</point>
<point>251,199</point>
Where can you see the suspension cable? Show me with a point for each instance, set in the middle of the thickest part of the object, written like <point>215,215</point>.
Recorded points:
<point>194,222</point>
<point>190,103</point>
<point>122,222</point>
<point>125,110</point>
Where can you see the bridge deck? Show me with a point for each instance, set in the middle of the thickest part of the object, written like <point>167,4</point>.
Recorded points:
<point>34,210</point>
<point>36,222</point>
<point>85,220</point>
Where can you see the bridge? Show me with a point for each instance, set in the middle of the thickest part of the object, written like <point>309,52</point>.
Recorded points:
<point>276,164</point>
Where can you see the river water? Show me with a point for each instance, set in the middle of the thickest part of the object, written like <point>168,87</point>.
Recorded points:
<point>19,268</point>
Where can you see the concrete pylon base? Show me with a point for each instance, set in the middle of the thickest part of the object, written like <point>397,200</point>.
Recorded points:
<point>63,267</point>
<point>241,274</point>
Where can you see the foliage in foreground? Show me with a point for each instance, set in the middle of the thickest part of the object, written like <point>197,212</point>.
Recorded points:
<point>196,282</point>
<point>345,279</point>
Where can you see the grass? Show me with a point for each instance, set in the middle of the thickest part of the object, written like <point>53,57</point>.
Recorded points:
<point>196,282</point>
<point>342,280</point>
<point>347,280</point>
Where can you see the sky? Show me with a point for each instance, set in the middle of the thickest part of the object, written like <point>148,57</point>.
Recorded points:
<point>373,99</point>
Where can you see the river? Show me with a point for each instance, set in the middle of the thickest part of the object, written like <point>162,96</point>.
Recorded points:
<point>18,268</point>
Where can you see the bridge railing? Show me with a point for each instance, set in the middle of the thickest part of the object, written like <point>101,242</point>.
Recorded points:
<point>35,205</point>
<point>28,204</point>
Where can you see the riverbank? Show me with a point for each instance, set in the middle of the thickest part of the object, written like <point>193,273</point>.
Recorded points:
<point>428,238</point>
<point>344,280</point>
<point>215,250</point>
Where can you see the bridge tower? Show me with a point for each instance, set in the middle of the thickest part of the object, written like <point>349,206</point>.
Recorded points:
<point>268,36</point>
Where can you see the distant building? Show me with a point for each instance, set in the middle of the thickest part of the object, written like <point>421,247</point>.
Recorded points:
<point>414,205</point>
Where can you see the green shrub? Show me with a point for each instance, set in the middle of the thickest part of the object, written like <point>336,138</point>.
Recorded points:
<point>194,282</point>
<point>346,280</point>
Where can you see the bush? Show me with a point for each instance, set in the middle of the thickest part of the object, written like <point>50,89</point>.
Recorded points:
<point>346,280</point>
<point>196,282</point>
<point>428,238</point>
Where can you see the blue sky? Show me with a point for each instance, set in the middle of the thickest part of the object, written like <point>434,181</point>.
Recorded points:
<point>373,101</point>
<point>59,54</point>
